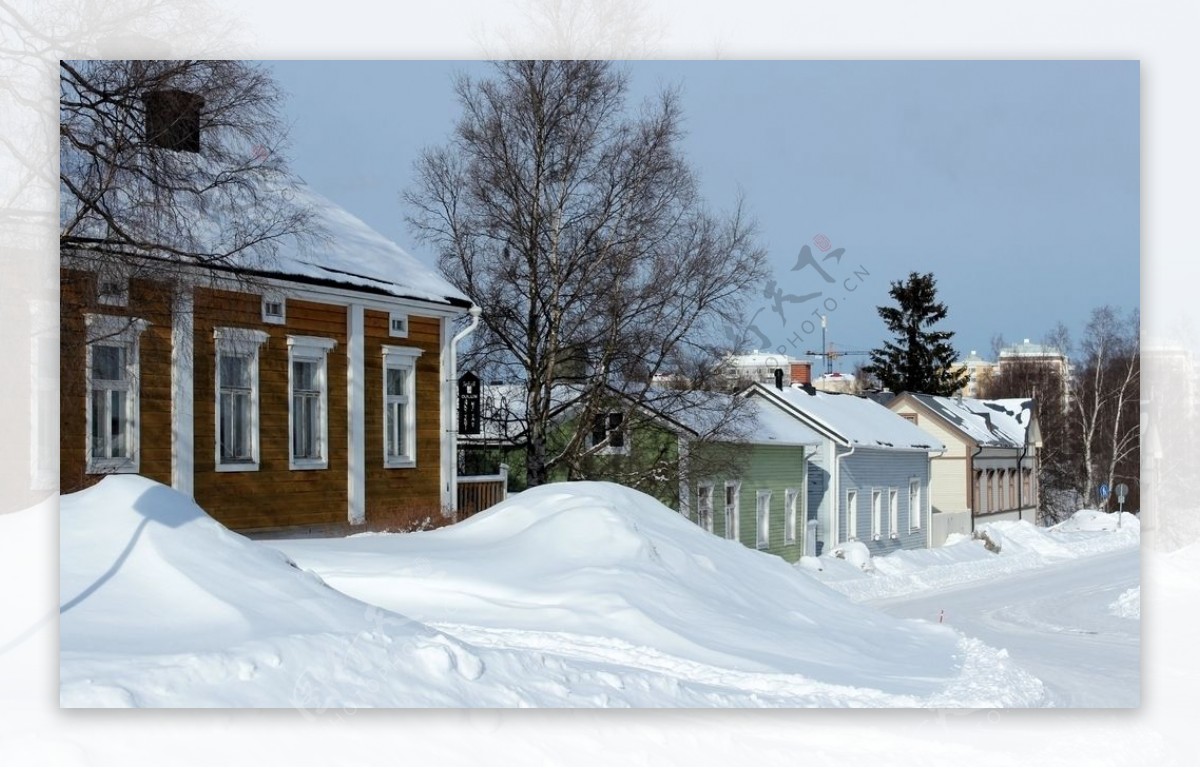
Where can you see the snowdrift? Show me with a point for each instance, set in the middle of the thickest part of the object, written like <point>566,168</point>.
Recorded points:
<point>604,572</point>
<point>571,595</point>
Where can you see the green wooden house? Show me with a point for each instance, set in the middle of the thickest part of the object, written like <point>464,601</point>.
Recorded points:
<point>735,466</point>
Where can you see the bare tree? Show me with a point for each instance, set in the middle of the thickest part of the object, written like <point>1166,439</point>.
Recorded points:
<point>1106,400</point>
<point>580,231</point>
<point>167,164</point>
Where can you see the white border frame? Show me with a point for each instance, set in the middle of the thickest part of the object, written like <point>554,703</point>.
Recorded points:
<point>405,358</point>
<point>313,349</point>
<point>239,341</point>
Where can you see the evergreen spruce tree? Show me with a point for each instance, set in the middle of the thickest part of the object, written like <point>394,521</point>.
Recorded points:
<point>919,358</point>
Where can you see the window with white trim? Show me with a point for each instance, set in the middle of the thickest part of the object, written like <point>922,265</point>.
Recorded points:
<point>791,498</point>
<point>237,398</point>
<point>876,513</point>
<point>308,401</point>
<point>733,490</point>
<point>704,506</point>
<point>400,406</point>
<point>112,393</point>
<point>852,514</point>
<point>763,505</point>
<point>893,512</point>
<point>112,289</point>
<point>398,325</point>
<point>274,308</point>
<point>914,504</point>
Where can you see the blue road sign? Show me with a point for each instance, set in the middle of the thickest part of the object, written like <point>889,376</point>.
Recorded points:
<point>1104,490</point>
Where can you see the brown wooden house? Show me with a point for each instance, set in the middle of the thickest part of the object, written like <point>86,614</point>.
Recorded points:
<point>315,392</point>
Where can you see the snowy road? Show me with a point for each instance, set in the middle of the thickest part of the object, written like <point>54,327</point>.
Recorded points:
<point>1054,622</point>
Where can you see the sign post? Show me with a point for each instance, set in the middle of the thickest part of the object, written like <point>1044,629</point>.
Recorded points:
<point>1122,492</point>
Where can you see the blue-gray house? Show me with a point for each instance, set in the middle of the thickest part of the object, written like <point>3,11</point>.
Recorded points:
<point>868,479</point>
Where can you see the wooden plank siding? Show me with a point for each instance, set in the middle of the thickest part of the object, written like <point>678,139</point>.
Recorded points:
<point>273,496</point>
<point>148,301</point>
<point>404,496</point>
<point>774,468</point>
<point>870,469</point>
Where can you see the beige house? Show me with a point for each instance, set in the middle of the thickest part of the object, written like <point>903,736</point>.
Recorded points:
<point>990,467</point>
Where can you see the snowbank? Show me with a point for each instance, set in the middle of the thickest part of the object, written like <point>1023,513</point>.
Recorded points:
<point>567,595</point>
<point>1095,520</point>
<point>1023,546</point>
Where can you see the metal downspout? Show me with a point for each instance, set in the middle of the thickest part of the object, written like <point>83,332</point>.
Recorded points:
<point>452,401</point>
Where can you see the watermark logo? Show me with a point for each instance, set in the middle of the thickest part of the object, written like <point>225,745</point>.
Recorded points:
<point>829,284</point>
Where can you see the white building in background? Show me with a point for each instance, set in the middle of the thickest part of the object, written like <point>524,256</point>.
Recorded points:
<point>761,366</point>
<point>979,371</point>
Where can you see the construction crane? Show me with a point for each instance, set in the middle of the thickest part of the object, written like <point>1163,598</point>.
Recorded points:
<point>830,354</point>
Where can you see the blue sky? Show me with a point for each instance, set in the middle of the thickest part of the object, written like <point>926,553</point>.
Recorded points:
<point>1015,182</point>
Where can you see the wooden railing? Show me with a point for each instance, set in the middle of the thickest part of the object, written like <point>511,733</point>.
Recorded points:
<point>478,492</point>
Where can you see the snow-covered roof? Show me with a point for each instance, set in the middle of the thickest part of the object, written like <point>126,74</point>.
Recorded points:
<point>993,423</point>
<point>703,414</point>
<point>850,419</point>
<point>350,252</point>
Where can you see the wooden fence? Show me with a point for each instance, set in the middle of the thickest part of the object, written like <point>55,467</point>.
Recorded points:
<point>478,492</point>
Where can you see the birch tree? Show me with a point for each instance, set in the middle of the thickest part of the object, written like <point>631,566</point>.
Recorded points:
<point>1106,401</point>
<point>575,222</point>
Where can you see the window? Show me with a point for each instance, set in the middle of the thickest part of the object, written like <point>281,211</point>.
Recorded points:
<point>894,512</point>
<point>400,406</point>
<point>112,393</point>
<point>704,507</point>
<point>763,503</point>
<point>274,308</point>
<point>914,504</point>
<point>398,325</point>
<point>609,426</point>
<point>112,290</point>
<point>308,387</point>
<point>732,490</point>
<point>876,513</point>
<point>237,398</point>
<point>852,515</point>
<point>790,497</point>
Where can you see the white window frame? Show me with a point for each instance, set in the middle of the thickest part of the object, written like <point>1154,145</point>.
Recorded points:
<point>876,513</point>
<point>791,504</point>
<point>852,514</point>
<point>894,512</point>
<point>404,359</point>
<point>733,511</point>
<point>310,349</point>
<point>239,342</point>
<point>704,506</point>
<point>123,332</point>
<point>915,511</point>
<point>399,319</point>
<point>119,297</point>
<point>269,299</point>
<point>762,517</point>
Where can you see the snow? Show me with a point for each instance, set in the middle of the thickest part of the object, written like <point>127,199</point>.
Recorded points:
<point>1128,605</point>
<point>1023,547</point>
<point>349,251</point>
<point>577,595</point>
<point>851,419</point>
<point>996,423</point>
